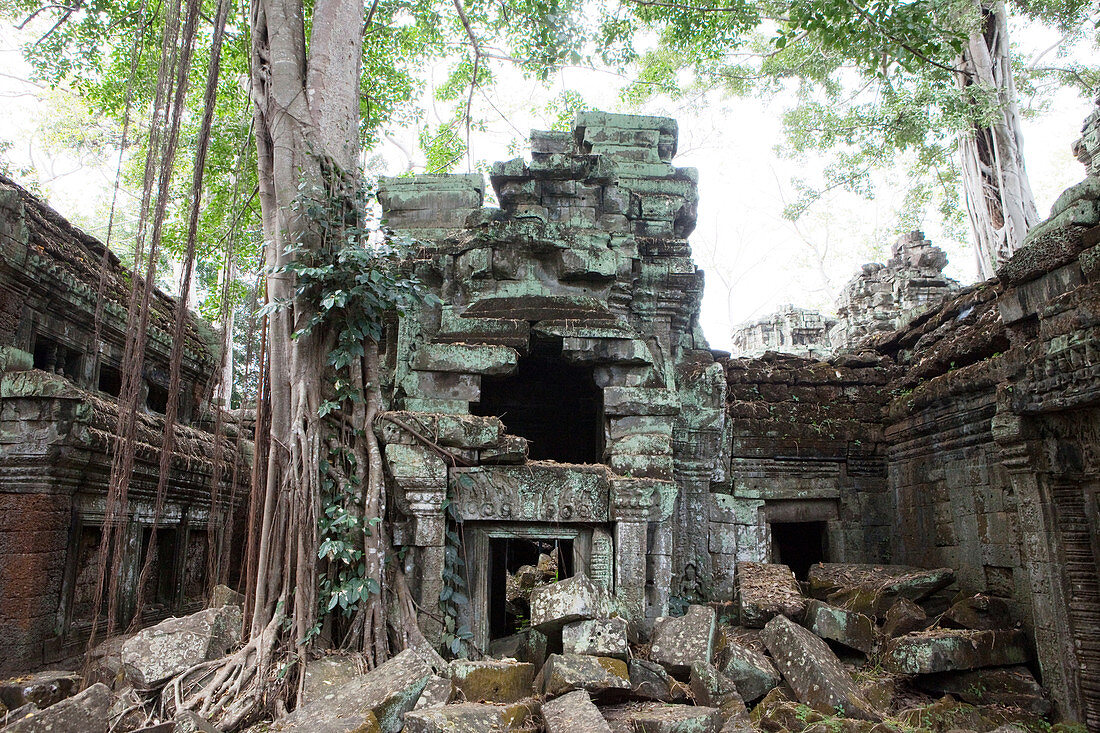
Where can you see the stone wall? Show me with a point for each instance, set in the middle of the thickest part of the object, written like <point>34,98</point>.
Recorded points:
<point>58,415</point>
<point>789,330</point>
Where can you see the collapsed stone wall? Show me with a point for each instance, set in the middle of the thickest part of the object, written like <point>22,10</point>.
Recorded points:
<point>789,330</point>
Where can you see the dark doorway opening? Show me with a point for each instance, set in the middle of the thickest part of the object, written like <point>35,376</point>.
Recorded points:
<point>110,380</point>
<point>509,586</point>
<point>157,399</point>
<point>798,545</point>
<point>554,404</point>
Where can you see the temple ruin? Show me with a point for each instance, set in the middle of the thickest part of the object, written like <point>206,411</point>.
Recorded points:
<point>58,412</point>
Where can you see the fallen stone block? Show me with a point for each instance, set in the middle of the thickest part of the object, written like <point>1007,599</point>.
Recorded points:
<point>492,680</point>
<point>469,717</point>
<point>776,714</point>
<point>86,712</point>
<point>650,681</point>
<point>979,612</point>
<point>853,630</point>
<point>378,698</point>
<point>567,672</point>
<point>813,671</point>
<point>41,688</point>
<point>528,645</point>
<point>154,655</point>
<point>187,721</point>
<point>438,691</point>
<point>329,672</point>
<point>767,590</point>
<point>1008,686</point>
<point>872,589</point>
<point>751,671</point>
<point>949,714</point>
<point>574,599</point>
<point>659,717</point>
<point>10,716</point>
<point>677,642</point>
<point>223,595</point>
<point>710,688</point>
<point>904,617</point>
<point>945,650</point>
<point>573,713</point>
<point>598,637</point>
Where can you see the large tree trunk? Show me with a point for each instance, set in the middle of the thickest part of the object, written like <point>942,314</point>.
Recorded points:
<point>999,201</point>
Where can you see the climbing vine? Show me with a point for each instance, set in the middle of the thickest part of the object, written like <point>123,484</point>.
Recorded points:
<point>453,600</point>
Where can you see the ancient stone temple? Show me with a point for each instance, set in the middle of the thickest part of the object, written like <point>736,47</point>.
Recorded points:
<point>883,298</point>
<point>57,424</point>
<point>789,330</point>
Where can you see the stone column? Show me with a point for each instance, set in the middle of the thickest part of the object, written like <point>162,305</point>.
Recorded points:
<point>1022,456</point>
<point>631,500</point>
<point>421,478</point>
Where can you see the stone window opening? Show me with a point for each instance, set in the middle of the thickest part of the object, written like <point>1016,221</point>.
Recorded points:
<point>110,380</point>
<point>799,545</point>
<point>554,404</point>
<point>518,565</point>
<point>56,358</point>
<point>157,398</point>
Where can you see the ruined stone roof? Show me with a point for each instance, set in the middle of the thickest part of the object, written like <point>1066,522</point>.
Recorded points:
<point>71,255</point>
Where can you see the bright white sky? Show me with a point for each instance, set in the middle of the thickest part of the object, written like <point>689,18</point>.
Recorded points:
<point>754,259</point>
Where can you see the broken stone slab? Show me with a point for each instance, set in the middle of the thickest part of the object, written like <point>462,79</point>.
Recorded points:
<point>650,681</point>
<point>814,672</point>
<point>574,599</point>
<point>710,688</point>
<point>375,701</point>
<point>979,612</point>
<point>492,680</point>
<point>85,712</point>
<point>41,688</point>
<point>10,716</point>
<point>438,691</point>
<point>945,650</point>
<point>767,590</point>
<point>872,589</point>
<point>223,595</point>
<point>948,714</point>
<point>567,672</point>
<point>469,717</point>
<point>751,671</point>
<point>572,713</point>
<point>659,717</point>
<point>904,617</point>
<point>677,642</point>
<point>329,672</point>
<point>597,637</point>
<point>1007,686</point>
<point>154,655</point>
<point>849,628</point>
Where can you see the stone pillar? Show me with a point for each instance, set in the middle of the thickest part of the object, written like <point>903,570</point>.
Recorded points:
<point>631,500</point>
<point>1022,456</point>
<point>421,478</point>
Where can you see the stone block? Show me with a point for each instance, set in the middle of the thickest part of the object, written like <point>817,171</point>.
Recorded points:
<point>466,358</point>
<point>376,701</point>
<point>640,401</point>
<point>767,590</point>
<point>492,680</point>
<point>434,406</point>
<point>678,642</point>
<point>188,721</point>
<point>573,713</point>
<point>327,673</point>
<point>849,628</point>
<point>904,617</point>
<point>598,638</point>
<point>574,599</point>
<point>567,672</point>
<point>415,462</point>
<point>944,650</point>
<point>512,450</point>
<point>979,612</point>
<point>650,681</point>
<point>470,717</point>
<point>472,432</point>
<point>223,595</point>
<point>86,712</point>
<point>656,717</point>
<point>154,655</point>
<point>872,589</point>
<point>712,689</point>
<point>813,671</point>
<point>444,386</point>
<point>1008,686</point>
<point>751,670</point>
<point>528,645</point>
<point>438,691</point>
<point>41,688</point>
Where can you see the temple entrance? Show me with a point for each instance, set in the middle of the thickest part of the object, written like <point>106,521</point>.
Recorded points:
<point>798,545</point>
<point>556,405</point>
<point>517,566</point>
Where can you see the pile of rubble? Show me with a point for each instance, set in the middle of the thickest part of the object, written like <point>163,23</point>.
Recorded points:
<point>855,649</point>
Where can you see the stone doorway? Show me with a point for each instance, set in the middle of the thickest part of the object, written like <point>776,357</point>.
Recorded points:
<point>799,545</point>
<point>493,550</point>
<point>508,556</point>
<point>553,403</point>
